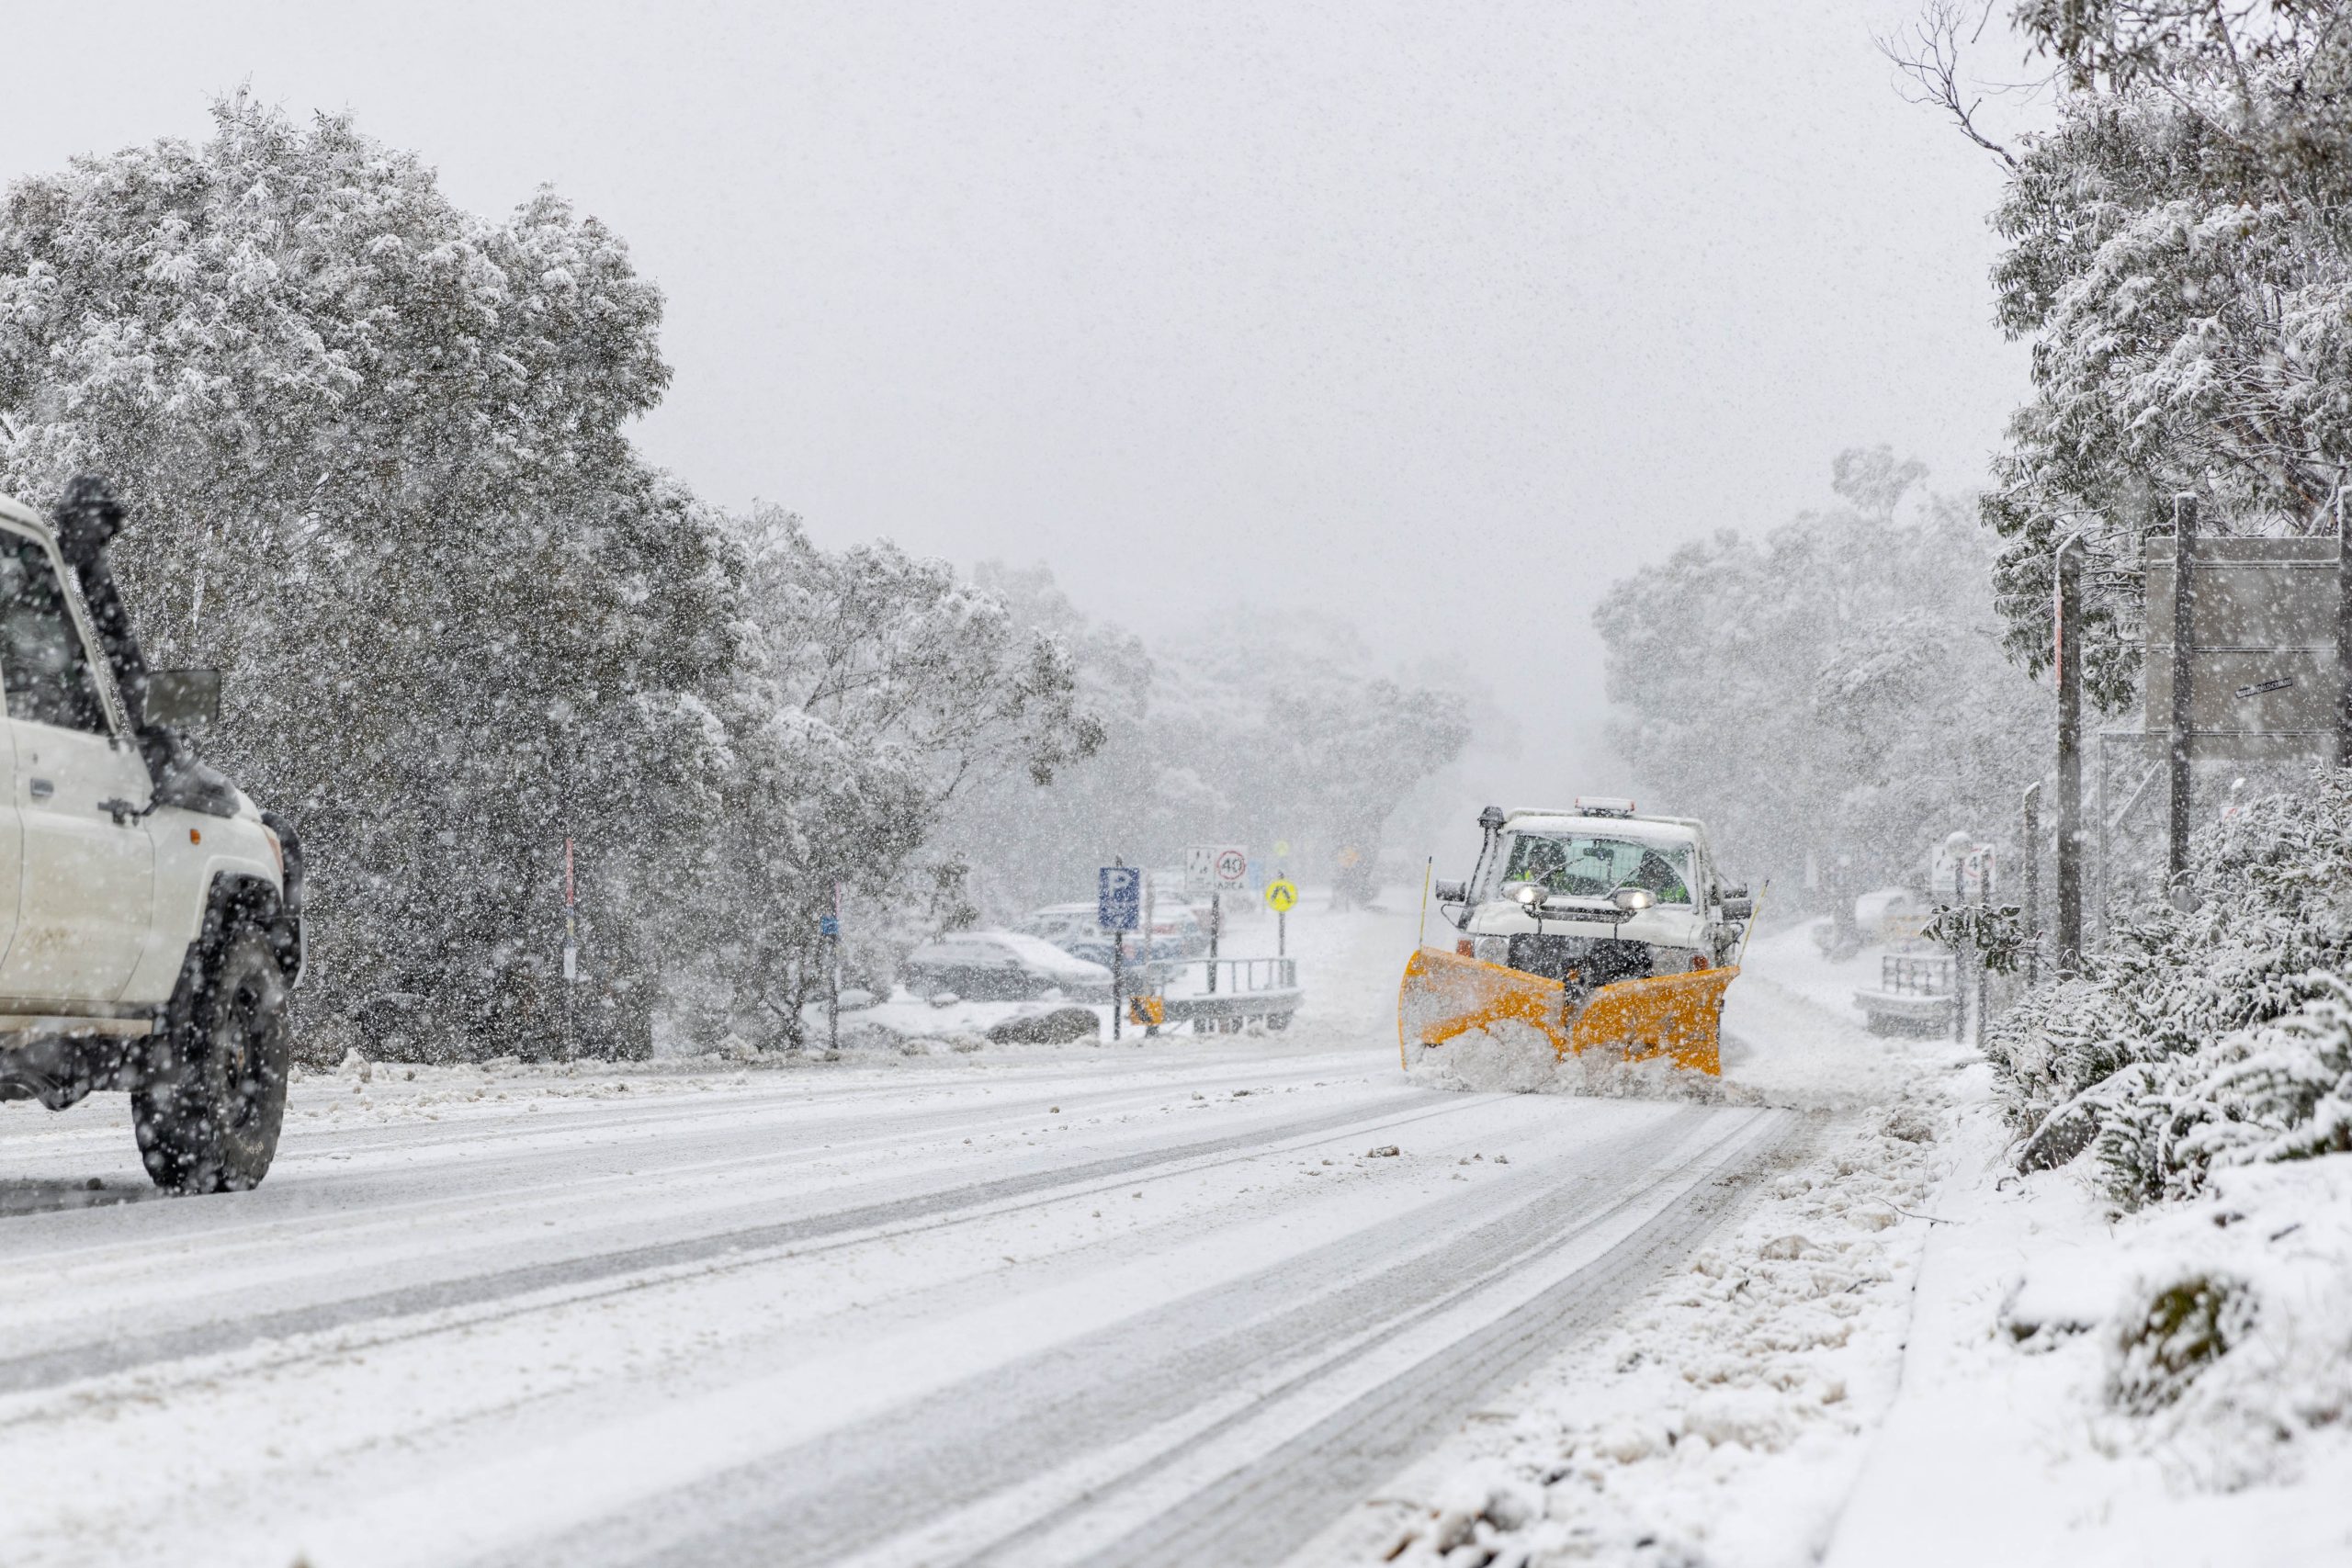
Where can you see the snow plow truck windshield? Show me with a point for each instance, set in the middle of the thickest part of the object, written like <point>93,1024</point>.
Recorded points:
<point>1583,865</point>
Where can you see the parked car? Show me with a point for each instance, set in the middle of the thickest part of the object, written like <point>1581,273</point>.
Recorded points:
<point>1177,933</point>
<point>999,966</point>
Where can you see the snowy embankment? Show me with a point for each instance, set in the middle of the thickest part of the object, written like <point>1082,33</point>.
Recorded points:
<point>2166,1387</point>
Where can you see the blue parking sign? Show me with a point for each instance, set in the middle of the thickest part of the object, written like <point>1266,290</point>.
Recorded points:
<point>1118,898</point>
<point>829,925</point>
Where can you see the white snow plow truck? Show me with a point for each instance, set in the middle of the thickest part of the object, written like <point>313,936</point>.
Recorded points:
<point>152,930</point>
<point>1597,927</point>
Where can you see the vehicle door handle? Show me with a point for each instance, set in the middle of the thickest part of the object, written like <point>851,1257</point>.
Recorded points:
<point>42,789</point>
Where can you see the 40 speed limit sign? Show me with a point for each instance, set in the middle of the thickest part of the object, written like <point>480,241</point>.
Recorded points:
<point>1215,868</point>
<point>1281,895</point>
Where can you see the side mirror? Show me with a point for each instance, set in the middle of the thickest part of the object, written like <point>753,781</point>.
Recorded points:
<point>1633,900</point>
<point>1738,892</point>
<point>1451,892</point>
<point>183,697</point>
<point>1739,909</point>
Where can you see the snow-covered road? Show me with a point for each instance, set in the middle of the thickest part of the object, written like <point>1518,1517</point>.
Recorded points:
<point>1156,1303</point>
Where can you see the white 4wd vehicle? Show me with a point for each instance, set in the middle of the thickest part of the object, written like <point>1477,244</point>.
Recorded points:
<point>151,932</point>
<point>1692,918</point>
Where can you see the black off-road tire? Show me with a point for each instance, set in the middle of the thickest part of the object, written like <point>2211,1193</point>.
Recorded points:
<point>211,1125</point>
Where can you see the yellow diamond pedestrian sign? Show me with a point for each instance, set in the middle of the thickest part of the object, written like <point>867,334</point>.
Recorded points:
<point>1281,893</point>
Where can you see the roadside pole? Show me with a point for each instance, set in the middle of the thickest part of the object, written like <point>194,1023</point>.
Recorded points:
<point>2032,883</point>
<point>1984,970</point>
<point>1958,955</point>
<point>571,950</point>
<point>1118,908</point>
<point>2343,639</point>
<point>829,928</point>
<point>2179,781</point>
<point>1216,925</point>
<point>1281,893</point>
<point>2068,618</point>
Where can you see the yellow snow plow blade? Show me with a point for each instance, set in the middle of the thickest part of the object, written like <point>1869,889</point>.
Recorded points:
<point>1676,1016</point>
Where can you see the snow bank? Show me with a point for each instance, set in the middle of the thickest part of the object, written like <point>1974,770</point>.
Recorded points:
<point>2166,1387</point>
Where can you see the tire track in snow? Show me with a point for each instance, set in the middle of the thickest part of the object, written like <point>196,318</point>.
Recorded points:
<point>1263,1510</point>
<point>960,1446</point>
<point>64,1364</point>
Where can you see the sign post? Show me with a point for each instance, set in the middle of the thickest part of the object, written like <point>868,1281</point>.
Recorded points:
<point>2179,781</point>
<point>2032,884</point>
<point>2066,632</point>
<point>570,946</point>
<point>1215,870</point>
<point>2343,639</point>
<point>1960,954</point>
<point>1118,908</point>
<point>829,927</point>
<point>1983,971</point>
<point>1282,893</point>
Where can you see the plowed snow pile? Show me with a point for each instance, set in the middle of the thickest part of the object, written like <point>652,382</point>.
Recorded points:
<point>1512,1057</point>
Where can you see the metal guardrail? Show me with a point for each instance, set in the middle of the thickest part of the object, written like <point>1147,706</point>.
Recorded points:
<point>1925,977</point>
<point>1241,976</point>
<point>1226,993</point>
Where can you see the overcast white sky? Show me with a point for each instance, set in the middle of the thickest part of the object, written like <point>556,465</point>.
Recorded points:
<point>1433,317</point>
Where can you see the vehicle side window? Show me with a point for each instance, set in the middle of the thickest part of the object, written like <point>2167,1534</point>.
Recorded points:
<point>44,667</point>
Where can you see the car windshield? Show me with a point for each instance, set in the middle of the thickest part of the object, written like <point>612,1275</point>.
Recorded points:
<point>1587,865</point>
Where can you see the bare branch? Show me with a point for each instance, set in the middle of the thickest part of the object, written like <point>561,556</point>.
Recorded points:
<point>1928,60</point>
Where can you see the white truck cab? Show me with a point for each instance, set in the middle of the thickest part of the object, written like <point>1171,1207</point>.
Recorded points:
<point>149,914</point>
<point>1520,906</point>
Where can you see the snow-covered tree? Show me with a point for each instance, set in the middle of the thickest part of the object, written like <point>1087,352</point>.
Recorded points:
<point>2181,259</point>
<point>2220,1034</point>
<point>875,689</point>
<point>1239,734</point>
<point>374,455</point>
<point>1832,688</point>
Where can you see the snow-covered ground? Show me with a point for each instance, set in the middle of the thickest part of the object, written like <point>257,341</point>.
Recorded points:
<point>1724,1416</point>
<point>1906,1352</point>
<point>1173,1301</point>
<point>1180,1300</point>
<point>2032,1431</point>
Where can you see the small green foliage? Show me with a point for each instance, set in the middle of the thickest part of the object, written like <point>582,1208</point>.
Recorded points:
<point>2186,1327</point>
<point>1995,934</point>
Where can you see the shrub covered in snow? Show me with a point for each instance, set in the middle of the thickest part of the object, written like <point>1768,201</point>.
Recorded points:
<point>2219,1035</point>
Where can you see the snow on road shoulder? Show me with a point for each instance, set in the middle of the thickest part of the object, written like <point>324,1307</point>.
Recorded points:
<point>2167,1387</point>
<point>1724,1419</point>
